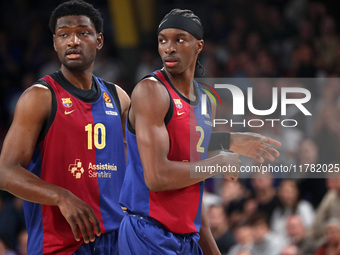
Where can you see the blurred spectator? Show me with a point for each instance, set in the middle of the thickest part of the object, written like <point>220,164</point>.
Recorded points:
<point>234,43</point>
<point>297,235</point>
<point>294,11</point>
<point>244,253</point>
<point>232,191</point>
<point>22,242</point>
<point>266,64</point>
<point>243,237</point>
<point>210,199</point>
<point>220,230</point>
<point>239,195</point>
<point>327,44</point>
<point>293,136</point>
<point>265,242</point>
<point>107,67</point>
<point>249,208</point>
<point>264,193</point>
<point>11,220</point>
<point>9,63</point>
<point>13,94</point>
<point>316,11</point>
<point>253,44</point>
<point>218,25</point>
<point>327,122</point>
<point>290,203</point>
<point>302,64</point>
<point>332,232</point>
<point>290,250</point>
<point>330,94</point>
<point>5,248</point>
<point>52,63</point>
<point>328,209</point>
<point>306,32</point>
<point>34,56</point>
<point>147,64</point>
<point>312,189</point>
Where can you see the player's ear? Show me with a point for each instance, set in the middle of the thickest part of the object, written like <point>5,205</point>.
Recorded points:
<point>200,44</point>
<point>100,41</point>
<point>54,46</point>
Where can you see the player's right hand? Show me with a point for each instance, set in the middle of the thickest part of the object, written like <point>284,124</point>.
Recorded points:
<point>232,163</point>
<point>81,218</point>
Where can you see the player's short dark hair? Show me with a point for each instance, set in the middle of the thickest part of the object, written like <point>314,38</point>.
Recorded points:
<point>76,7</point>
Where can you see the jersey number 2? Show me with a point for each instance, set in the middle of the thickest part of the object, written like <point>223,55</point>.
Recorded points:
<point>199,147</point>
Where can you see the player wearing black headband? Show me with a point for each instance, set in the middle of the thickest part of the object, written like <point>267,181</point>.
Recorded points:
<point>165,214</point>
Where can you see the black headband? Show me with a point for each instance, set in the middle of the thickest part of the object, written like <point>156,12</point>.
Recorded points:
<point>183,23</point>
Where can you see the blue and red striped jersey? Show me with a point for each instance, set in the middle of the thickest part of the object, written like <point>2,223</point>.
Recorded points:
<point>178,210</point>
<point>80,149</point>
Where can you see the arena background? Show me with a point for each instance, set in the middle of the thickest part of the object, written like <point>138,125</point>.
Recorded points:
<point>265,38</point>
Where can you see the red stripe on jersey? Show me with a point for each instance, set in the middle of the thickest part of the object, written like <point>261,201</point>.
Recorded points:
<point>72,115</point>
<point>177,209</point>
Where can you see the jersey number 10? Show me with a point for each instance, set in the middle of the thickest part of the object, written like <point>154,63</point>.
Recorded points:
<point>97,132</point>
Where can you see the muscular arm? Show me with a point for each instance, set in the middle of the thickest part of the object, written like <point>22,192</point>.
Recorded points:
<point>32,110</point>
<point>207,242</point>
<point>149,104</point>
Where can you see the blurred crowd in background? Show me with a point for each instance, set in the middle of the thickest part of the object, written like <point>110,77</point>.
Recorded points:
<point>264,214</point>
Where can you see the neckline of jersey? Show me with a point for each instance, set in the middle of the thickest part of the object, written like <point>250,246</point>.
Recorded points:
<point>187,100</point>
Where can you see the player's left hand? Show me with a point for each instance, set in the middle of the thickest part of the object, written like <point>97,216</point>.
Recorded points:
<point>254,145</point>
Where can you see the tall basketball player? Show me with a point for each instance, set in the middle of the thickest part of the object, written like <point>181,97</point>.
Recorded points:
<point>164,205</point>
<point>64,152</point>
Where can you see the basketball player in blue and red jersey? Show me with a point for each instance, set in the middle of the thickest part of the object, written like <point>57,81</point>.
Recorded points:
<point>164,207</point>
<point>64,153</point>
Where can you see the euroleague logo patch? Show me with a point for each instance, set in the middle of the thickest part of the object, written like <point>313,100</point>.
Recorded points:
<point>107,100</point>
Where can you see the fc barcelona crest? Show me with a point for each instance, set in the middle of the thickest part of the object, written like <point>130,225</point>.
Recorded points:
<point>67,102</point>
<point>178,103</point>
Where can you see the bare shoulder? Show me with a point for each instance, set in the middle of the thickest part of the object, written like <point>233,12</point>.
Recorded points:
<point>38,91</point>
<point>35,101</point>
<point>150,91</point>
<point>32,110</point>
<point>149,101</point>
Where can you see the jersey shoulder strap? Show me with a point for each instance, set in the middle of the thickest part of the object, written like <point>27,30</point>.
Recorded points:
<point>47,124</point>
<point>156,75</point>
<point>113,91</point>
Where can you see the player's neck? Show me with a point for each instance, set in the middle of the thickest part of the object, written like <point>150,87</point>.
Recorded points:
<point>79,79</point>
<point>183,82</point>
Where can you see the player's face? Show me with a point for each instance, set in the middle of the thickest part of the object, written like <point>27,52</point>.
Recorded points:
<point>76,42</point>
<point>178,49</point>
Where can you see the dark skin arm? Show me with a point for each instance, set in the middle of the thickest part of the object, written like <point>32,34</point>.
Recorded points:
<point>153,141</point>
<point>250,144</point>
<point>254,145</point>
<point>207,241</point>
<point>32,110</point>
